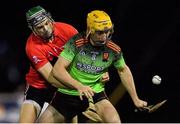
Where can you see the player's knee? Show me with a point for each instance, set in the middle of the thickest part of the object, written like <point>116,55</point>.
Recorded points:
<point>115,119</point>
<point>35,104</point>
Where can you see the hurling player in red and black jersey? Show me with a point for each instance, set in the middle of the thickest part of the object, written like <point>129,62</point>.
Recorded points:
<point>42,48</point>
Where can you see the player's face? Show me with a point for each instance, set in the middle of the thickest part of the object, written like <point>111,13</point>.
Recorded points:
<point>99,38</point>
<point>44,29</point>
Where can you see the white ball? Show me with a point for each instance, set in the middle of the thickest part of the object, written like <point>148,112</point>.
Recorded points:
<point>156,80</point>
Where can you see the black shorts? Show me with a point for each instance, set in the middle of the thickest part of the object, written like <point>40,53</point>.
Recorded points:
<point>40,95</point>
<point>70,106</point>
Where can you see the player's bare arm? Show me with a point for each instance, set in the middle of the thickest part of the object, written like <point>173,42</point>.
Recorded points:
<point>60,73</point>
<point>127,80</point>
<point>45,72</point>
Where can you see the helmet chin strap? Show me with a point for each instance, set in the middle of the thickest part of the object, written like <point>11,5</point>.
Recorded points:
<point>109,36</point>
<point>99,42</point>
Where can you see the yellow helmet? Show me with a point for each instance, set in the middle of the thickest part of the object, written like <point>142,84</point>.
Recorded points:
<point>98,21</point>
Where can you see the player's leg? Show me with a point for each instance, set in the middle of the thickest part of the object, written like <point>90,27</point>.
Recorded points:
<point>31,106</point>
<point>90,115</point>
<point>51,115</point>
<point>63,108</point>
<point>105,109</point>
<point>33,103</point>
<point>29,111</point>
<point>75,120</point>
<point>48,118</point>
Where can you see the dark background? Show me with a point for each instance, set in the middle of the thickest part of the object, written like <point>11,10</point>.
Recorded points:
<point>146,30</point>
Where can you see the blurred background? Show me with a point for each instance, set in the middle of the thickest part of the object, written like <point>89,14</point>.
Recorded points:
<point>146,30</point>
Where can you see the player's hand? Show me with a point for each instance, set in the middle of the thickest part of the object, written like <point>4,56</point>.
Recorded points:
<point>140,104</point>
<point>86,91</point>
<point>152,108</point>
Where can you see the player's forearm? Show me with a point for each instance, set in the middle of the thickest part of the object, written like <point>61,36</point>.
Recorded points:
<point>63,76</point>
<point>128,82</point>
<point>55,82</point>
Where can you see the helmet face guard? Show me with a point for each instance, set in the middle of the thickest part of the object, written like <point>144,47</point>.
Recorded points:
<point>99,22</point>
<point>99,38</point>
<point>36,15</point>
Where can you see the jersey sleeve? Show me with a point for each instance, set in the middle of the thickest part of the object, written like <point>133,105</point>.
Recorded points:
<point>36,57</point>
<point>71,30</point>
<point>67,30</point>
<point>119,62</point>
